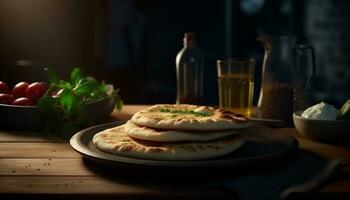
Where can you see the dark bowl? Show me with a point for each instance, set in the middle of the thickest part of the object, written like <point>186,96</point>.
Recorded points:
<point>28,118</point>
<point>20,117</point>
<point>100,111</point>
<point>322,130</point>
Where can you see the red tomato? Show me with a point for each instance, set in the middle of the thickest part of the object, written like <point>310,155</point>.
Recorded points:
<point>23,101</point>
<point>6,99</point>
<point>19,90</point>
<point>35,91</point>
<point>4,88</point>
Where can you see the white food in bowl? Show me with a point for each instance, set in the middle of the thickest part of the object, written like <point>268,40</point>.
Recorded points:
<point>321,111</point>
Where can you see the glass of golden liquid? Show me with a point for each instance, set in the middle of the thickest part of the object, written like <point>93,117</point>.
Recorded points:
<point>236,84</point>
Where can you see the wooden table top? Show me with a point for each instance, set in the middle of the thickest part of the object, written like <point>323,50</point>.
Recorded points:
<point>34,166</point>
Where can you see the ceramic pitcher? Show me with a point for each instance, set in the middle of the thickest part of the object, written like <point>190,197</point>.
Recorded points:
<point>285,87</point>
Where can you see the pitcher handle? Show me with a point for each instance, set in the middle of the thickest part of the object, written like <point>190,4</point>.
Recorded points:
<point>313,72</point>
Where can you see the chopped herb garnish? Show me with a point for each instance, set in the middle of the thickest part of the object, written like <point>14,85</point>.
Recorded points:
<point>186,112</point>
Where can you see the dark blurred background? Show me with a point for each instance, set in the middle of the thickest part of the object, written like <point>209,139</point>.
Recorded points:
<point>133,43</point>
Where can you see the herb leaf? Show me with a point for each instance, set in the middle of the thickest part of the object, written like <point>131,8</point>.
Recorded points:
<point>85,86</point>
<point>62,85</point>
<point>46,104</point>
<point>68,101</point>
<point>76,75</point>
<point>119,104</point>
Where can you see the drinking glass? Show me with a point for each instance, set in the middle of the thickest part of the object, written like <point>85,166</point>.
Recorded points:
<point>236,84</point>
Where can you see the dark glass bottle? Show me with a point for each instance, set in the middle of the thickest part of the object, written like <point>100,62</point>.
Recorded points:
<point>189,72</point>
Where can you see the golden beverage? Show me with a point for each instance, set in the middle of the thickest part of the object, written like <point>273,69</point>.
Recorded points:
<point>236,92</point>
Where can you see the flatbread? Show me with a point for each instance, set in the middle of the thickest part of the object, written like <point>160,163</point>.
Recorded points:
<point>116,141</point>
<point>189,117</point>
<point>162,135</point>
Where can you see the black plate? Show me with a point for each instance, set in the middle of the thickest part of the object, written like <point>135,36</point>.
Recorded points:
<point>263,148</point>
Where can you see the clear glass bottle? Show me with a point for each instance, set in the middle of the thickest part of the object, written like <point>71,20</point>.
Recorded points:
<point>189,72</point>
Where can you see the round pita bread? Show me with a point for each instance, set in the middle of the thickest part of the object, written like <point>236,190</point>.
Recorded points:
<point>161,135</point>
<point>116,141</point>
<point>189,117</point>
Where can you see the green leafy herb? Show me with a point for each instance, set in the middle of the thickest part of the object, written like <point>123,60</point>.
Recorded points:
<point>76,75</point>
<point>187,112</point>
<point>64,105</point>
<point>345,111</point>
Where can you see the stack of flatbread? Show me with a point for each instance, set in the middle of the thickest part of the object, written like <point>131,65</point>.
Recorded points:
<point>175,132</point>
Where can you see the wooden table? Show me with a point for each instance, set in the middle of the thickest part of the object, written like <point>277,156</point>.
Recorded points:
<point>31,166</point>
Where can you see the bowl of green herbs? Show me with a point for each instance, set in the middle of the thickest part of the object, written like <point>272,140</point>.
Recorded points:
<point>71,105</point>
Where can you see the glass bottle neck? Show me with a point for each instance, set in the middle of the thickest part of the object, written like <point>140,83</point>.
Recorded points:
<point>189,43</point>
<point>189,40</point>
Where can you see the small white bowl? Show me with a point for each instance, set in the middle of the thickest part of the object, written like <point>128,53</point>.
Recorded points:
<point>322,130</point>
